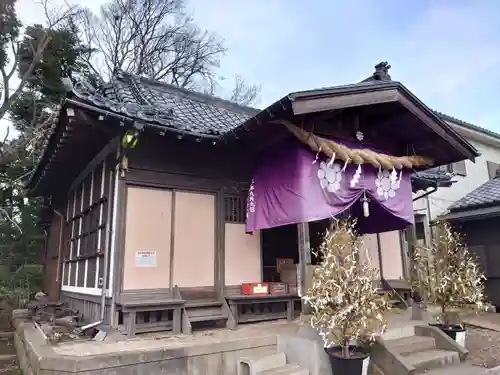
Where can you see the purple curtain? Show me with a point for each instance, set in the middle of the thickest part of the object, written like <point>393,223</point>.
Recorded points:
<point>291,185</point>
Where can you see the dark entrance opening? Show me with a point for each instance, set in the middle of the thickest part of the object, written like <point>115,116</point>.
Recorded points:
<point>280,244</point>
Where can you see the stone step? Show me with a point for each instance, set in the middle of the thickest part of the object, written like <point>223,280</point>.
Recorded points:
<point>432,359</point>
<point>11,371</point>
<point>411,344</point>
<point>7,346</point>
<point>207,318</point>
<point>399,332</point>
<point>461,369</point>
<point>286,370</point>
<point>6,334</point>
<point>255,365</point>
<point>7,360</point>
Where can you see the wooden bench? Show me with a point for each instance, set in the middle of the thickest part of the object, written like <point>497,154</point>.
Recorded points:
<point>265,304</point>
<point>131,307</point>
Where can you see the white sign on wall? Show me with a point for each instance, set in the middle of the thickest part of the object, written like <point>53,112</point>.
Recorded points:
<point>145,259</point>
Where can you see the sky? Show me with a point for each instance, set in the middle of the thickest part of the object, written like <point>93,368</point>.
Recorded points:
<point>447,52</point>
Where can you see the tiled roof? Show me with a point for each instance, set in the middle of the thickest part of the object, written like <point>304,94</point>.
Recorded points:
<point>488,194</point>
<point>431,177</point>
<point>165,105</point>
<point>187,110</point>
<point>465,124</point>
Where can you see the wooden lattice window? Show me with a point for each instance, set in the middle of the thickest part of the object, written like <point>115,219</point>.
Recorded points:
<point>85,228</point>
<point>234,209</point>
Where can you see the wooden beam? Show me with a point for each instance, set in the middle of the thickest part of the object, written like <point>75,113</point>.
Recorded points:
<point>304,258</point>
<point>109,148</point>
<point>411,238</point>
<point>380,261</point>
<point>220,255</point>
<point>309,105</point>
<point>438,126</point>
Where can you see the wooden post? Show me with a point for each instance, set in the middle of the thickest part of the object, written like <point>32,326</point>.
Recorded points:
<point>304,259</point>
<point>403,245</point>
<point>411,237</point>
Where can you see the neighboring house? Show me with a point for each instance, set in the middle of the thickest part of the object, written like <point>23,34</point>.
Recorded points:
<point>477,217</point>
<point>467,175</point>
<point>147,187</point>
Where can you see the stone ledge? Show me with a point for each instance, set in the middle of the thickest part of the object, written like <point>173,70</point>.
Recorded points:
<point>42,358</point>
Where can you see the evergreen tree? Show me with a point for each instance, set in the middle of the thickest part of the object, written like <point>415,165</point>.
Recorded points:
<point>31,112</point>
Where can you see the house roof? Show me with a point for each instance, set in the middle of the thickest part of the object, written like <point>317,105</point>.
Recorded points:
<point>432,177</point>
<point>467,125</point>
<point>486,195</point>
<point>166,105</point>
<point>135,100</point>
<point>194,112</point>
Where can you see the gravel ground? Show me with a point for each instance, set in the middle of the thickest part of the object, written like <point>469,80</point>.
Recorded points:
<point>483,346</point>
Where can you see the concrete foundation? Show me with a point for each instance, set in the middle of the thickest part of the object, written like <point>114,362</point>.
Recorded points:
<point>214,352</point>
<point>141,356</point>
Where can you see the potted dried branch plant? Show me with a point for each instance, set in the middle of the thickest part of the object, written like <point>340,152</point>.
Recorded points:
<point>346,308</point>
<point>446,274</point>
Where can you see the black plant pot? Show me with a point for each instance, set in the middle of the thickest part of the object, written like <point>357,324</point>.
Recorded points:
<point>356,364</point>
<point>455,332</point>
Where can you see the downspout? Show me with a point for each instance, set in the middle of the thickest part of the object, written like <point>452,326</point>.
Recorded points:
<point>107,240</point>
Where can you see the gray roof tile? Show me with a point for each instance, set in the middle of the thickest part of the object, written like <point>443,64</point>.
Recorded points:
<point>166,105</point>
<point>485,195</point>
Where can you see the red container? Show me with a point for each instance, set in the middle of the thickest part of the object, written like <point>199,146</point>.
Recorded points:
<point>278,288</point>
<point>255,289</point>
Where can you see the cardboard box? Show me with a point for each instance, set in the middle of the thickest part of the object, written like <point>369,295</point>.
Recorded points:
<point>288,274</point>
<point>278,288</point>
<point>280,262</point>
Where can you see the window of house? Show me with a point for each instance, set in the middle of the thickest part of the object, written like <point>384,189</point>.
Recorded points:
<point>492,169</point>
<point>235,209</point>
<point>85,229</point>
<point>459,168</point>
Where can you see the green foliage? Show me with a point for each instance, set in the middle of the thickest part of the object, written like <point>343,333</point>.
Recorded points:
<point>20,285</point>
<point>9,28</point>
<point>61,58</point>
<point>21,238</point>
<point>29,276</point>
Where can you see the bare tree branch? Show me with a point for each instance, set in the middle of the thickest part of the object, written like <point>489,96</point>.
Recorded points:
<point>5,214</point>
<point>153,38</point>
<point>243,93</point>
<point>45,39</point>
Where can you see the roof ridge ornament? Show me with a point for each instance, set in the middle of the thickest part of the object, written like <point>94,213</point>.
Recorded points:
<point>382,72</point>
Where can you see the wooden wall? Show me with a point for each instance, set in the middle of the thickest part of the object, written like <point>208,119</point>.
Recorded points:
<point>52,270</point>
<point>88,306</point>
<point>208,186</point>
<point>383,252</point>
<point>483,240</point>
